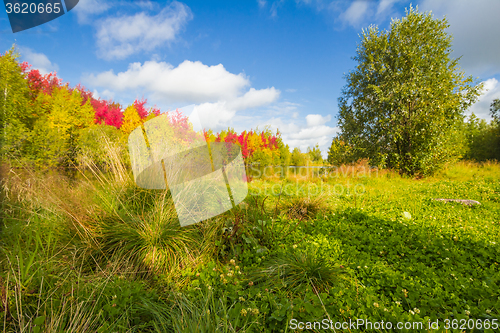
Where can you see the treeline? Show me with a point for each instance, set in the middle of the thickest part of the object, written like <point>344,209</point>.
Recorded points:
<point>476,140</point>
<point>47,123</point>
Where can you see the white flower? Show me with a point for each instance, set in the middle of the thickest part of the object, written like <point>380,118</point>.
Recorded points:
<point>406,216</point>
<point>375,305</point>
<point>416,310</point>
<point>412,312</point>
<point>488,311</point>
<point>467,312</point>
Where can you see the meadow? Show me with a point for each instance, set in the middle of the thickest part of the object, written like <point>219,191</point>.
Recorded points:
<point>96,253</point>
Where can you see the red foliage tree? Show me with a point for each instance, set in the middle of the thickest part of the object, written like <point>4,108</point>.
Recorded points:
<point>181,125</point>
<point>39,83</point>
<point>107,112</point>
<point>139,106</point>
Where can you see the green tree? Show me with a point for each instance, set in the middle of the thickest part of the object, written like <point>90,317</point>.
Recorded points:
<point>339,152</point>
<point>403,104</point>
<point>284,153</point>
<point>298,158</point>
<point>315,154</point>
<point>482,140</point>
<point>14,99</point>
<point>495,109</point>
<point>495,113</point>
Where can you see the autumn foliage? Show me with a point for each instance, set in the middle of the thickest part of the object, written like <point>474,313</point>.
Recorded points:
<point>49,123</point>
<point>250,142</point>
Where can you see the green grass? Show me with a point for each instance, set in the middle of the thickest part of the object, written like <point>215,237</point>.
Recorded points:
<point>98,254</point>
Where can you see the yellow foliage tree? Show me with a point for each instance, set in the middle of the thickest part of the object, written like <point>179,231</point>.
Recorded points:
<point>131,120</point>
<point>56,131</point>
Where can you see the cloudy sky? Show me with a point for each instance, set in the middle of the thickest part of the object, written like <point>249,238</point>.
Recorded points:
<point>242,64</point>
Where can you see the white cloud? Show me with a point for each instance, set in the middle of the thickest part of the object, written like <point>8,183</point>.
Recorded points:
<point>314,120</point>
<point>282,108</point>
<point>119,37</point>
<point>214,115</point>
<point>304,136</point>
<point>384,7</point>
<point>87,8</point>
<point>356,12</point>
<point>220,114</point>
<point>106,94</point>
<point>217,93</point>
<point>188,82</point>
<point>475,28</point>
<point>275,5</point>
<point>491,91</point>
<point>255,98</point>
<point>38,60</point>
<point>315,132</point>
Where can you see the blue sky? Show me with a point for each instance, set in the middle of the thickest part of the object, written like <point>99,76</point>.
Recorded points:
<point>242,64</point>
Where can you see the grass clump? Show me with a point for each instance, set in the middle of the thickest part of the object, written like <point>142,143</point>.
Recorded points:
<point>303,208</point>
<point>295,270</point>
